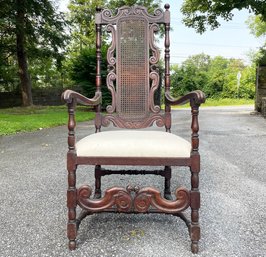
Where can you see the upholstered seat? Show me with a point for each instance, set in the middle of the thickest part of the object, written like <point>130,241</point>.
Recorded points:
<point>128,143</point>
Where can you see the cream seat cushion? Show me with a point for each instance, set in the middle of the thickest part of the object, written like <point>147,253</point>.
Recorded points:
<point>128,143</point>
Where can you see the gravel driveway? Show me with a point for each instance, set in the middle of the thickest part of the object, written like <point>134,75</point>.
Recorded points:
<point>232,183</point>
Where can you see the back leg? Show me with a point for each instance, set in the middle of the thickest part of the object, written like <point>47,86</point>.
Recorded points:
<point>98,191</point>
<point>167,182</point>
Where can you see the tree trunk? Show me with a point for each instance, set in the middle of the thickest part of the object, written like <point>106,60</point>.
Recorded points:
<point>21,55</point>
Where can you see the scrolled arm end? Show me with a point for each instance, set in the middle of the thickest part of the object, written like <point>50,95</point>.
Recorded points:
<point>69,95</point>
<point>196,97</point>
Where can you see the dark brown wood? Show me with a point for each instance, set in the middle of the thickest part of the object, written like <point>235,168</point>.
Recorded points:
<point>167,69</point>
<point>71,166</point>
<point>195,168</point>
<point>133,107</point>
<point>133,161</point>
<point>70,96</point>
<point>98,71</point>
<point>167,182</point>
<point>123,200</point>
<point>98,174</point>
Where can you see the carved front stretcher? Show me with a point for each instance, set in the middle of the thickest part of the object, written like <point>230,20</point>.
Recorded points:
<point>132,200</point>
<point>132,80</point>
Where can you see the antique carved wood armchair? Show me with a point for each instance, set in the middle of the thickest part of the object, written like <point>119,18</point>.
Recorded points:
<point>132,80</point>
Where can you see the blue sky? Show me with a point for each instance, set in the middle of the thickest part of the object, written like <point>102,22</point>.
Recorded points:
<point>231,40</point>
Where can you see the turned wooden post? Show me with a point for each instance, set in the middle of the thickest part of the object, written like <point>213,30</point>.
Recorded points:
<point>167,67</point>
<point>71,167</point>
<point>98,121</point>
<point>195,169</point>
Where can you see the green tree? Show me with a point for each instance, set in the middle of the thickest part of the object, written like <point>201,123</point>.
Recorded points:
<point>258,28</point>
<point>82,20</point>
<point>191,75</point>
<point>230,88</point>
<point>151,5</point>
<point>216,76</point>
<point>83,72</point>
<point>200,14</point>
<point>30,29</point>
<point>247,82</point>
<point>257,25</point>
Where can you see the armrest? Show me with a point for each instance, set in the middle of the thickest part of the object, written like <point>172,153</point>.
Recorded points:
<point>69,95</point>
<point>196,97</point>
<point>71,98</point>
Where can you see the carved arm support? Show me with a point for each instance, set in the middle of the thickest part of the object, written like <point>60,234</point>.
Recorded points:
<point>69,96</point>
<point>72,98</point>
<point>196,98</point>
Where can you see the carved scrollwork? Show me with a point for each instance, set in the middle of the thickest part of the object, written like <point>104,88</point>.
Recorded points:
<point>110,85</point>
<point>154,76</point>
<point>158,12</point>
<point>110,52</point>
<point>133,200</point>
<point>117,196</point>
<point>107,15</point>
<point>155,50</point>
<point>121,123</point>
<point>160,122</point>
<point>149,196</point>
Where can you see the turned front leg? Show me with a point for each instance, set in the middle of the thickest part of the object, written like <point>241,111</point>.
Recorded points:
<point>195,205</point>
<point>72,204</point>
<point>195,169</point>
<point>71,167</point>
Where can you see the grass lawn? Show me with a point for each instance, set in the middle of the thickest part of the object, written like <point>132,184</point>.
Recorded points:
<point>227,102</point>
<point>221,102</point>
<point>13,120</point>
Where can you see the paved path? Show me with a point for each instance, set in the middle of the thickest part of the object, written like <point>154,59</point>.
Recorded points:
<point>33,184</point>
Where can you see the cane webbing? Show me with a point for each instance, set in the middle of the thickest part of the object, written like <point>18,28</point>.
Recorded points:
<point>132,68</point>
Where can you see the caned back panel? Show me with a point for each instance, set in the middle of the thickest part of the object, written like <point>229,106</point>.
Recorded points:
<point>132,55</point>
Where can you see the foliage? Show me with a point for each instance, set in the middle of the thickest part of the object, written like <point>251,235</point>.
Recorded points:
<point>31,30</point>
<point>258,28</point>
<point>83,72</point>
<point>81,17</point>
<point>217,77</point>
<point>151,5</point>
<point>32,118</point>
<point>191,75</point>
<point>201,14</point>
<point>257,25</point>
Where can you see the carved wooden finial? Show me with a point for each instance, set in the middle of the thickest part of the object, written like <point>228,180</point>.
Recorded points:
<point>167,6</point>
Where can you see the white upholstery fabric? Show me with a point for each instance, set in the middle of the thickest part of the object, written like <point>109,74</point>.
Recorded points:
<point>129,143</point>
